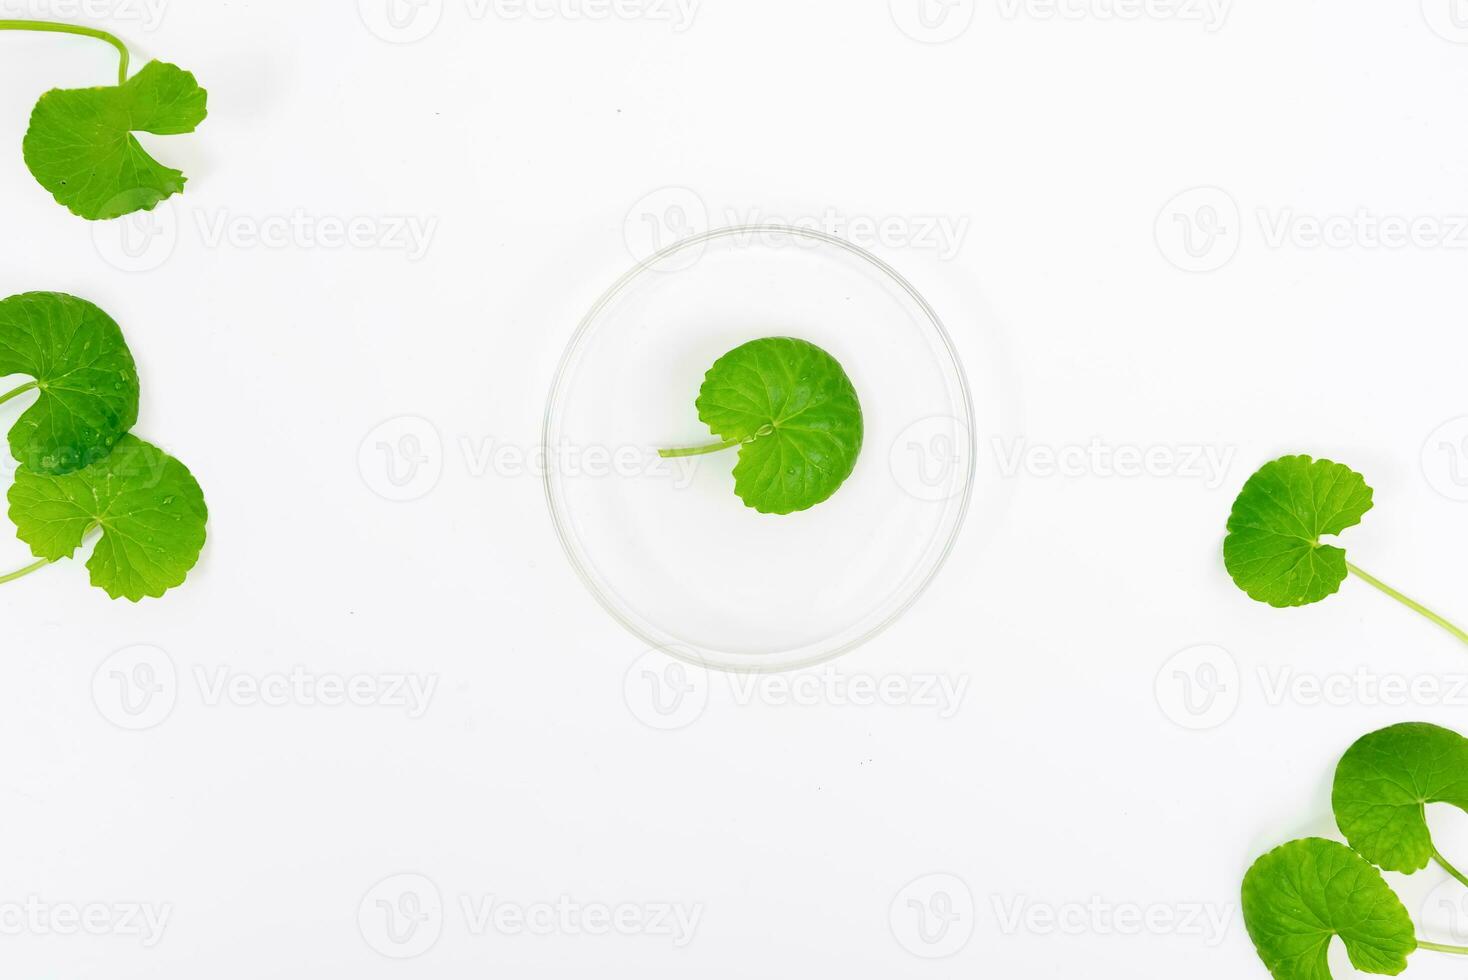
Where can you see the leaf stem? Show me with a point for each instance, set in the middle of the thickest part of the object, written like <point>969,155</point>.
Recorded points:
<point>18,391</point>
<point>51,27</point>
<point>700,450</point>
<point>1436,856</point>
<point>1409,603</point>
<point>22,573</point>
<point>1440,948</point>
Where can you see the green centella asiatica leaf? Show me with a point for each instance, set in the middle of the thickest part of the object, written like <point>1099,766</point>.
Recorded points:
<point>1300,896</point>
<point>793,413</point>
<point>81,368</point>
<point>81,147</point>
<point>147,505</point>
<point>1385,781</point>
<point>1273,549</point>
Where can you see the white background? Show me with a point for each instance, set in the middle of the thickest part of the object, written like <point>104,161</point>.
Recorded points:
<point>1068,773</point>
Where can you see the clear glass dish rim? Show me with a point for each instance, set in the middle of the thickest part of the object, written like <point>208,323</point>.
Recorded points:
<point>553,399</point>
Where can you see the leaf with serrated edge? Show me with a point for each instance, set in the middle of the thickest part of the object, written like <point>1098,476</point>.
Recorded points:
<point>797,416</point>
<point>80,145</point>
<point>85,376</point>
<point>148,506</point>
<point>1384,781</point>
<point>1299,896</point>
<point>1273,550</point>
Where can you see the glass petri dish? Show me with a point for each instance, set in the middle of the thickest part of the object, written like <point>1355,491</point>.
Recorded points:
<point>665,545</point>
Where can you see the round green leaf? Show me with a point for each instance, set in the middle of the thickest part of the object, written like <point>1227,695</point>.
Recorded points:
<point>148,506</point>
<point>796,416</point>
<point>1273,548</point>
<point>86,378</point>
<point>81,148</point>
<point>1384,782</point>
<point>1298,897</point>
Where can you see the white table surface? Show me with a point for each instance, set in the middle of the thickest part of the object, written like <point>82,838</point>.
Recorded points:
<point>1034,175</point>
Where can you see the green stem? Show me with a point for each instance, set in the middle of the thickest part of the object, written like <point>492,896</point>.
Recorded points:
<point>1440,948</point>
<point>25,571</point>
<point>22,573</point>
<point>700,450</point>
<point>19,391</point>
<point>1448,867</point>
<point>51,27</point>
<point>1409,603</point>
